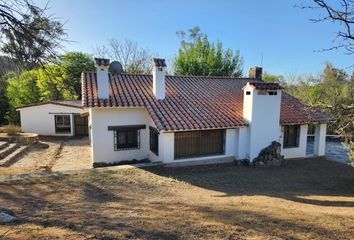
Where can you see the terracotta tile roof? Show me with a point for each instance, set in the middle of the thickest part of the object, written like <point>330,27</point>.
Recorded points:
<point>66,103</point>
<point>265,86</point>
<point>190,103</point>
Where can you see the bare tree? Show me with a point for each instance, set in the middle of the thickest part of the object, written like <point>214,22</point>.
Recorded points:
<point>343,14</point>
<point>133,58</point>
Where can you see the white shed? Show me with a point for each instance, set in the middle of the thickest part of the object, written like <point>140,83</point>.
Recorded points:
<point>55,118</point>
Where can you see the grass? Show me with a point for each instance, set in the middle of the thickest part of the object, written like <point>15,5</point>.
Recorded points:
<point>11,130</point>
<point>307,199</point>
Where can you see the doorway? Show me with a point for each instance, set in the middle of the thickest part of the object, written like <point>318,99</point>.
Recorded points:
<point>81,125</point>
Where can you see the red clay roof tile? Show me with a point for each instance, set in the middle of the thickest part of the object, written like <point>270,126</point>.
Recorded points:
<point>191,102</point>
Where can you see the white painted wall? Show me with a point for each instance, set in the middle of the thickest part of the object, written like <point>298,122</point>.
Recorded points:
<point>295,152</point>
<point>262,112</point>
<point>242,141</point>
<point>320,139</point>
<point>237,143</point>
<point>37,119</point>
<point>102,140</point>
<point>167,146</point>
<point>158,75</point>
<point>102,81</point>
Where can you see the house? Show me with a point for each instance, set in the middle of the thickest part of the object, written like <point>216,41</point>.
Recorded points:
<point>191,118</point>
<point>55,118</point>
<point>176,119</point>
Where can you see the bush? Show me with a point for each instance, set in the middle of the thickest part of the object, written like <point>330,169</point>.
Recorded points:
<point>12,129</point>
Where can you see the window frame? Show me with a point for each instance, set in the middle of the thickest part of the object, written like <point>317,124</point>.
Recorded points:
<point>154,140</point>
<point>125,147</point>
<point>295,141</point>
<point>60,126</point>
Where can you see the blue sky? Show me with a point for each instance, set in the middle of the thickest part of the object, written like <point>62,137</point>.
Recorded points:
<point>274,28</point>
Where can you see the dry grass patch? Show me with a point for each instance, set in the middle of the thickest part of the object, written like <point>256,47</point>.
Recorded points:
<point>11,130</point>
<point>310,199</point>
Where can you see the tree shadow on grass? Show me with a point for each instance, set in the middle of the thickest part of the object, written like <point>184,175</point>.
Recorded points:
<point>52,203</point>
<point>294,181</point>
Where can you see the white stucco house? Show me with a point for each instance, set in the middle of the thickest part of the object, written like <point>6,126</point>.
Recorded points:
<point>55,118</point>
<point>174,119</point>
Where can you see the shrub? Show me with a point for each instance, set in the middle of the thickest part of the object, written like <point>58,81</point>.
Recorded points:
<point>12,129</point>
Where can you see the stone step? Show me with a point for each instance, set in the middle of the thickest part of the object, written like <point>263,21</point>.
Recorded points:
<point>8,150</point>
<point>12,157</point>
<point>3,145</point>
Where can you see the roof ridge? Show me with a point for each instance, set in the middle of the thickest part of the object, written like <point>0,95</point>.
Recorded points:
<point>185,76</point>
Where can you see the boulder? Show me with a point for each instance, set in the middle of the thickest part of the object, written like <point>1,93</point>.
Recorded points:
<point>6,218</point>
<point>269,156</point>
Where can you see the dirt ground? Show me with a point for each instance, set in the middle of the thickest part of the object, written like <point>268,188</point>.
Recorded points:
<point>304,199</point>
<point>53,154</point>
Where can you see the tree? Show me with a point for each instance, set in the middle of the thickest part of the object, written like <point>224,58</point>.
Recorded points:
<point>197,56</point>
<point>273,78</point>
<point>21,90</point>
<point>342,13</point>
<point>58,81</point>
<point>333,93</point>
<point>133,58</point>
<point>73,64</point>
<point>62,80</point>
<point>28,34</point>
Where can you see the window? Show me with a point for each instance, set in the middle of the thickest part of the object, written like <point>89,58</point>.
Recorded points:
<point>248,93</point>
<point>62,124</point>
<point>199,143</point>
<point>154,140</point>
<point>291,136</point>
<point>272,93</point>
<point>126,139</point>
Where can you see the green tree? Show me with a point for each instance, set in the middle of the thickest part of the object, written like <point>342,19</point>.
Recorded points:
<point>62,80</point>
<point>72,65</point>
<point>332,92</point>
<point>267,77</point>
<point>58,81</point>
<point>197,56</point>
<point>22,89</point>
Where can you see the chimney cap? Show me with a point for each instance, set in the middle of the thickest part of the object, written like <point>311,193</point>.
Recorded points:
<point>264,85</point>
<point>255,72</point>
<point>159,62</point>
<point>102,61</point>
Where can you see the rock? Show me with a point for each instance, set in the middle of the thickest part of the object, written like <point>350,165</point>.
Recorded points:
<point>6,218</point>
<point>6,210</point>
<point>269,156</point>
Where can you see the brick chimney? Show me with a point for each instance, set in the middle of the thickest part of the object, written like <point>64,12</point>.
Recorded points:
<point>102,66</point>
<point>255,72</point>
<point>158,75</point>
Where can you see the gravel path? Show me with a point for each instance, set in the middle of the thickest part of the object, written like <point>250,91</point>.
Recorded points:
<point>56,154</point>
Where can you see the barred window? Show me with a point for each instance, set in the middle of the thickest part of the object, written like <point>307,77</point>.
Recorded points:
<point>126,139</point>
<point>62,123</point>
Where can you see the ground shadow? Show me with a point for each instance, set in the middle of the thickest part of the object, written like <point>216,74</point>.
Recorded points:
<point>293,181</point>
